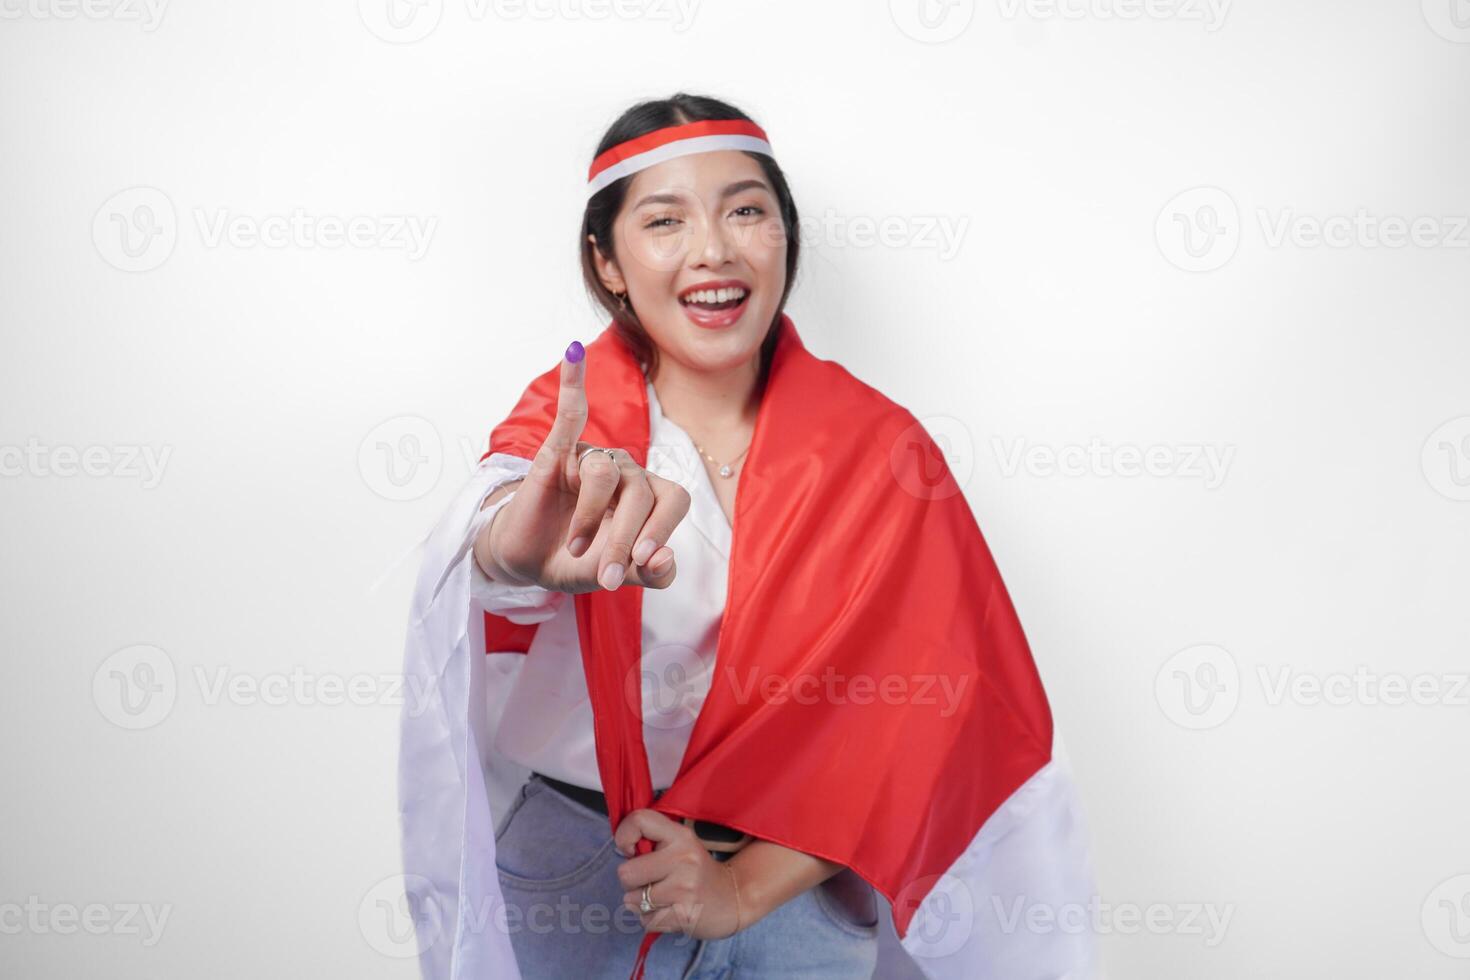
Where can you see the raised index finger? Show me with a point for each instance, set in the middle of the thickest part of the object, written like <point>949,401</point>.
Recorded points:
<point>571,411</point>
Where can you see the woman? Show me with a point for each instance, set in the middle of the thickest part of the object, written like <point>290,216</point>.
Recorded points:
<point>694,257</point>
<point>663,677</point>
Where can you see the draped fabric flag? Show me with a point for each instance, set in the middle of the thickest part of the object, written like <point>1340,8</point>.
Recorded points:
<point>875,702</point>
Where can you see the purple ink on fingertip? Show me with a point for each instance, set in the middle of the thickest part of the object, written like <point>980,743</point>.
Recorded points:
<point>576,351</point>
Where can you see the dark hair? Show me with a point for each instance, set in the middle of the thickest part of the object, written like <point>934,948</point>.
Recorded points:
<point>603,207</point>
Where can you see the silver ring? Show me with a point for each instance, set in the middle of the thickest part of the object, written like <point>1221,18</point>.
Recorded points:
<point>611,454</point>
<point>646,905</point>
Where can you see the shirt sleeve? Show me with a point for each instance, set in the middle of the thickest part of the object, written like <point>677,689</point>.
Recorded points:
<point>521,604</point>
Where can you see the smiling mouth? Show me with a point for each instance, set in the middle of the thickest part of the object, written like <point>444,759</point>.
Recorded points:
<point>716,300</point>
<point>728,304</point>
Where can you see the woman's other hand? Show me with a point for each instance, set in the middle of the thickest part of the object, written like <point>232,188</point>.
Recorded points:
<point>695,893</point>
<point>574,527</point>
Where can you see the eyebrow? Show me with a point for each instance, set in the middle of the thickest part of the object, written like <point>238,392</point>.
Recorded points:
<point>729,191</point>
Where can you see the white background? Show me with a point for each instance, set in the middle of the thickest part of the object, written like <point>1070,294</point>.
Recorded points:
<point>1330,379</point>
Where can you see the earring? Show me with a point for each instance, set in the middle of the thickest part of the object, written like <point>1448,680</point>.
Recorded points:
<point>623,301</point>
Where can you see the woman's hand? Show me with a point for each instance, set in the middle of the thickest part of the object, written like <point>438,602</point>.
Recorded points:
<point>576,528</point>
<point>695,893</point>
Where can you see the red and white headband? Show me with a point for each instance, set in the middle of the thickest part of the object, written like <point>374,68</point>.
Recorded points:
<point>675,141</point>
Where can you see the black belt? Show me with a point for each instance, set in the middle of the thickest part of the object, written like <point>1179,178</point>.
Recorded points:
<point>711,833</point>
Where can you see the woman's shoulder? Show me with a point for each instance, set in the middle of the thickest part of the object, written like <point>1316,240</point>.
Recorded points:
<point>845,393</point>
<point>854,416</point>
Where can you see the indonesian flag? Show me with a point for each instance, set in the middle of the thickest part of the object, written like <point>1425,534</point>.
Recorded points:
<point>921,754</point>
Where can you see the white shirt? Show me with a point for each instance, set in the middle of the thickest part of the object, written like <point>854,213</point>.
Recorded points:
<point>547,721</point>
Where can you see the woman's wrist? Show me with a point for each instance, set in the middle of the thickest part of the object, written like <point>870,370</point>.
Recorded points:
<point>770,875</point>
<point>740,922</point>
<point>755,895</point>
<point>485,549</point>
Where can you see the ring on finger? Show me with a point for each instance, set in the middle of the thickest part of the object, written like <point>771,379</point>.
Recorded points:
<point>611,454</point>
<point>646,904</point>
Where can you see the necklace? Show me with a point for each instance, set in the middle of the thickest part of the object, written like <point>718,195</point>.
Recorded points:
<point>726,469</point>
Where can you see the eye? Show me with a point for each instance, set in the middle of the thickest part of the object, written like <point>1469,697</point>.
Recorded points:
<point>752,208</point>
<point>659,222</point>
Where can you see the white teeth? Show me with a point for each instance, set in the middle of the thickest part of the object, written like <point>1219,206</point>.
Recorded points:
<point>715,295</point>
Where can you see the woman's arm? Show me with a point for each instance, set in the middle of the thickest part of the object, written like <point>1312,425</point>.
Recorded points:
<point>771,874</point>
<point>483,553</point>
<point>521,604</point>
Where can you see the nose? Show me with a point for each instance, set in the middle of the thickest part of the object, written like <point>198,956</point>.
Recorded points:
<point>712,248</point>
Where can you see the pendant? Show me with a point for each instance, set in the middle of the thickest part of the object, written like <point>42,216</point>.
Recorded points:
<point>725,470</point>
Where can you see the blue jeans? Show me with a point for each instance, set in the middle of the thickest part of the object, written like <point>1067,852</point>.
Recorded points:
<point>565,911</point>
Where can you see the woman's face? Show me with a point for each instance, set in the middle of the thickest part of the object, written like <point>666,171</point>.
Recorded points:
<point>690,227</point>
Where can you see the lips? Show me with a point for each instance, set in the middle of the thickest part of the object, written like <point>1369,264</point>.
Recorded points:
<point>716,316</point>
<point>716,303</point>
